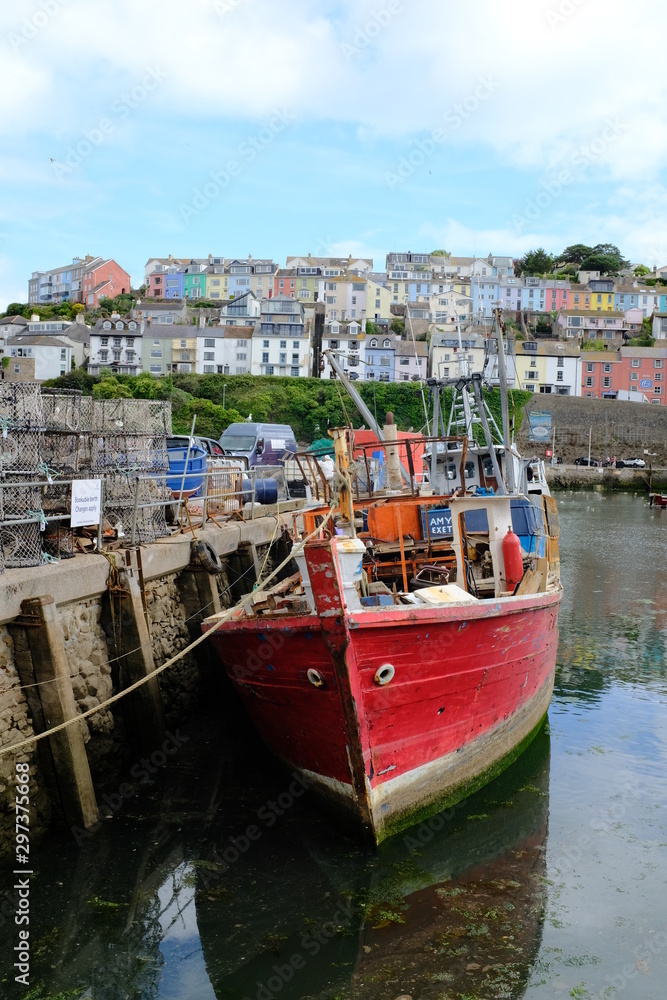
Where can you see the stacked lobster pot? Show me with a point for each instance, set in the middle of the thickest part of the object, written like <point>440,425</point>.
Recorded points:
<point>67,453</point>
<point>21,468</point>
<point>130,453</point>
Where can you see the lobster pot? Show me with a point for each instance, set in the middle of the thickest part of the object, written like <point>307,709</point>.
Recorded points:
<point>119,488</point>
<point>151,521</point>
<point>145,453</point>
<point>58,541</point>
<point>21,404</point>
<point>71,454</point>
<point>57,498</point>
<point>20,449</point>
<point>18,498</point>
<point>21,544</point>
<point>62,410</point>
<point>131,416</point>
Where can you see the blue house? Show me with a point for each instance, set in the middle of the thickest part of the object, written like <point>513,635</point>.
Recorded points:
<point>380,352</point>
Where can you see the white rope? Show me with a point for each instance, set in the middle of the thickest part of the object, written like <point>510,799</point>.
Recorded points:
<point>224,617</point>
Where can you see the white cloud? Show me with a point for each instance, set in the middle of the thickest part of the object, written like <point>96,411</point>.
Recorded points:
<point>556,84</point>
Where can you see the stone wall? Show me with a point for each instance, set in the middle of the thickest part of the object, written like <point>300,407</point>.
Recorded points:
<point>623,430</point>
<point>16,725</point>
<point>169,634</point>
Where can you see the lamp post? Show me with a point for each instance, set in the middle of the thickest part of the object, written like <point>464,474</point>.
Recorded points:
<point>224,390</point>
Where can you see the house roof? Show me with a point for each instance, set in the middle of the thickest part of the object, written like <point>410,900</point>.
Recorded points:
<point>600,356</point>
<point>14,321</point>
<point>590,313</point>
<point>549,350</point>
<point>405,348</point>
<point>37,340</point>
<point>644,352</point>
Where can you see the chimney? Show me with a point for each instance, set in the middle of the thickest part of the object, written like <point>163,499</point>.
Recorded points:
<point>34,318</point>
<point>202,320</point>
<point>310,256</point>
<point>170,258</point>
<point>249,256</point>
<point>142,326</point>
<point>80,319</point>
<point>210,258</point>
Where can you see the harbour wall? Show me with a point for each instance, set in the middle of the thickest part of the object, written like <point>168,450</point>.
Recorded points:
<point>76,632</point>
<point>623,430</point>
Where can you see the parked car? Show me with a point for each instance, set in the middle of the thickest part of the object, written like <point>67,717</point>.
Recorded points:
<point>585,461</point>
<point>630,463</point>
<point>259,444</point>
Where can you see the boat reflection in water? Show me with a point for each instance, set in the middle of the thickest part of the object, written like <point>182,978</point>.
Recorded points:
<point>454,906</point>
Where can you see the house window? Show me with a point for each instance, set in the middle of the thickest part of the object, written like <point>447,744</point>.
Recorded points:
<point>209,343</point>
<point>658,376</point>
<point>265,357</point>
<point>635,363</point>
<point>589,380</point>
<point>606,381</point>
<point>533,362</point>
<point>106,325</point>
<point>283,359</point>
<point>265,343</point>
<point>295,359</point>
<point>606,367</point>
<point>657,389</point>
<point>559,376</point>
<point>209,355</point>
<point>241,356</point>
<point>385,360</point>
<point>657,364</point>
<point>294,371</point>
<point>283,345</point>
<point>590,366</point>
<point>268,370</point>
<point>374,343</point>
<point>209,369</point>
<point>404,361</point>
<point>634,376</point>
<point>154,354</point>
<point>370,359</point>
<point>295,345</point>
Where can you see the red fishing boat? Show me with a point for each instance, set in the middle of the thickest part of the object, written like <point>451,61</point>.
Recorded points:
<point>657,500</point>
<point>412,657</point>
<point>396,703</point>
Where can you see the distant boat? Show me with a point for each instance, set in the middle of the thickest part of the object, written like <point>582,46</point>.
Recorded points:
<point>658,500</point>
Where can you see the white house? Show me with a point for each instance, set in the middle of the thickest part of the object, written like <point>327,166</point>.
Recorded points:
<point>347,341</point>
<point>116,344</point>
<point>52,357</point>
<point>282,344</point>
<point>224,350</point>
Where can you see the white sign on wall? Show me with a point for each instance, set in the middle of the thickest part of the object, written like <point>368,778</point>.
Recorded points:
<point>86,502</point>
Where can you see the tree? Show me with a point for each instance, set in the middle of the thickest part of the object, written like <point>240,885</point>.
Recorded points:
<point>14,309</point>
<point>78,307</point>
<point>440,253</point>
<point>574,254</point>
<point>110,388</point>
<point>536,262</point>
<point>641,270</point>
<point>397,326</point>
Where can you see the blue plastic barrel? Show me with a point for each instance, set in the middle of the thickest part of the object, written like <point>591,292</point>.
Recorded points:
<point>194,474</point>
<point>266,490</point>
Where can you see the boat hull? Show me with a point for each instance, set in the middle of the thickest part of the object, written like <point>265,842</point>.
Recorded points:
<point>469,689</point>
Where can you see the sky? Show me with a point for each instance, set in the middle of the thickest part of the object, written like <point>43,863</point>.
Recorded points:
<point>135,129</point>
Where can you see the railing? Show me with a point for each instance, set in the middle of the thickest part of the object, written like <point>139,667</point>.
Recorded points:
<point>136,508</point>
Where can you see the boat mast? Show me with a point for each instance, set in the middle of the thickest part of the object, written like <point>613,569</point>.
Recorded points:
<point>502,381</point>
<point>361,406</point>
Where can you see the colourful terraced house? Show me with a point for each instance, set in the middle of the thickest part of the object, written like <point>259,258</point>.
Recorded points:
<point>194,282</point>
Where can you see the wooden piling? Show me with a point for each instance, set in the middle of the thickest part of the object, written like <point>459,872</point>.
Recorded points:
<point>51,672</point>
<point>145,708</point>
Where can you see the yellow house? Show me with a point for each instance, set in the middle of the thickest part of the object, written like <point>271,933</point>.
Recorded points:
<point>217,283</point>
<point>584,298</point>
<point>184,350</point>
<point>378,301</point>
<point>531,366</point>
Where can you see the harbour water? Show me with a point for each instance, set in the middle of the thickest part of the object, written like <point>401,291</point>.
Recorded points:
<point>218,877</point>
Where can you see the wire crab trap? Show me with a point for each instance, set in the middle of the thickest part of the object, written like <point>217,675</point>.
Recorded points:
<point>147,497</point>
<point>62,409</point>
<point>21,405</point>
<point>131,416</point>
<point>21,544</point>
<point>68,455</point>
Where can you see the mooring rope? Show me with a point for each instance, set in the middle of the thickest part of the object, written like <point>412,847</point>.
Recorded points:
<point>224,617</point>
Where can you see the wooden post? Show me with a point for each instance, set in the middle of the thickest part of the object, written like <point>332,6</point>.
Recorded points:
<point>200,597</point>
<point>47,652</point>
<point>146,709</point>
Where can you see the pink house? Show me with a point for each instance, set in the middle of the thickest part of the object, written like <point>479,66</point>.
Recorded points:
<point>103,280</point>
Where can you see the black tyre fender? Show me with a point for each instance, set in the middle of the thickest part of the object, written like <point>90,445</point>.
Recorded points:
<point>207,557</point>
